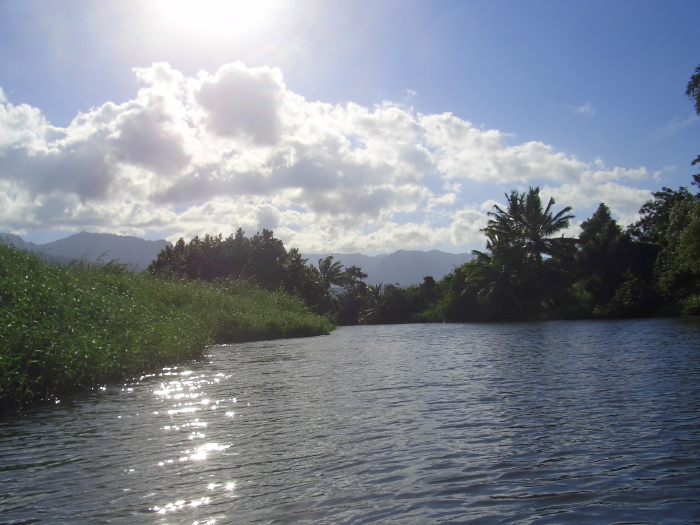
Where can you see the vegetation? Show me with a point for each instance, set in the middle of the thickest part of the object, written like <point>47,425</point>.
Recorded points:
<point>527,272</point>
<point>260,259</point>
<point>265,261</point>
<point>63,329</point>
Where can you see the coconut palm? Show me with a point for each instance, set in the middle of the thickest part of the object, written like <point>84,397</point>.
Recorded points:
<point>372,304</point>
<point>332,273</point>
<point>525,225</point>
<point>520,237</point>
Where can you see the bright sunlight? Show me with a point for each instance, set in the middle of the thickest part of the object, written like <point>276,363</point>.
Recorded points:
<point>218,18</point>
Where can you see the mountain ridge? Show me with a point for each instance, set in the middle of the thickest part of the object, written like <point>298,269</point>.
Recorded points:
<point>402,267</point>
<point>93,247</point>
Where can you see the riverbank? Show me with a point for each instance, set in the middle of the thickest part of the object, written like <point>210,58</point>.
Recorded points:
<point>65,329</point>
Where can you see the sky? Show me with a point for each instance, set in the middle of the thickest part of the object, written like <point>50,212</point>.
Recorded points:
<point>363,126</point>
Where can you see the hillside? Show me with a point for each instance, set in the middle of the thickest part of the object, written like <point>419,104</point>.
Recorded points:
<point>92,247</point>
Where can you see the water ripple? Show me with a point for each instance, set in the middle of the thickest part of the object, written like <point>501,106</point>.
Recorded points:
<point>575,422</point>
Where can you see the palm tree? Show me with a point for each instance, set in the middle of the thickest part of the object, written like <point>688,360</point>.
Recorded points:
<point>372,304</point>
<point>332,273</point>
<point>527,226</point>
<point>519,238</point>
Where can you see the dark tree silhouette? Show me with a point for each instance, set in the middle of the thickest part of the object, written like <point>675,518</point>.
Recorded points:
<point>519,239</point>
<point>331,271</point>
<point>693,92</point>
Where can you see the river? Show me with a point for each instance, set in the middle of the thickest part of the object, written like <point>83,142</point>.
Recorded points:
<point>559,422</point>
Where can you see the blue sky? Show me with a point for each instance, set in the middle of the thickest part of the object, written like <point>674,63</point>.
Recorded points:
<point>348,126</point>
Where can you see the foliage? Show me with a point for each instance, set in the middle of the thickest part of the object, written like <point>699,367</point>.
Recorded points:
<point>654,224</point>
<point>63,329</point>
<point>607,258</point>
<point>331,272</point>
<point>692,91</point>
<point>516,276</point>
<point>633,298</point>
<point>391,304</point>
<point>261,259</point>
<point>671,222</point>
<point>350,301</point>
<point>677,266</point>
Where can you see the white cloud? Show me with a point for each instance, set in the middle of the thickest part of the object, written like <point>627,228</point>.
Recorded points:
<point>585,109</point>
<point>239,101</point>
<point>209,153</point>
<point>467,224</point>
<point>623,201</point>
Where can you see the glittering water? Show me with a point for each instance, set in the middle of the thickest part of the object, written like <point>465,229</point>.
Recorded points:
<point>571,422</point>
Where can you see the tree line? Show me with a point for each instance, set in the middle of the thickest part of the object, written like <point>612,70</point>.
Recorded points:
<point>528,269</point>
<point>263,260</point>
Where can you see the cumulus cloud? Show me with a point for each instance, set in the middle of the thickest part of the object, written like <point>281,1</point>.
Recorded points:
<point>236,148</point>
<point>239,101</point>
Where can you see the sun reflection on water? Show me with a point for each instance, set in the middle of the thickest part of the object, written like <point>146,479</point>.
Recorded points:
<point>184,504</point>
<point>201,453</point>
<point>185,393</point>
<point>185,410</point>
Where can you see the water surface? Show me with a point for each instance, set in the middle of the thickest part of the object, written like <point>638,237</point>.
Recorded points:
<point>567,422</point>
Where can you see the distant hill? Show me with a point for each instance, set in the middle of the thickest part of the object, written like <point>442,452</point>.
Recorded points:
<point>404,267</point>
<point>18,242</point>
<point>91,247</point>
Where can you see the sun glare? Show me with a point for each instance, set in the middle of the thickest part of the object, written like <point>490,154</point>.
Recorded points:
<point>217,18</point>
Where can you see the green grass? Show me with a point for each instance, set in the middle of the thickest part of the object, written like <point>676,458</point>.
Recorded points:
<point>65,329</point>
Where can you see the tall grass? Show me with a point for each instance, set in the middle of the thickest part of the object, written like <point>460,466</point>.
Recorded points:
<point>64,329</point>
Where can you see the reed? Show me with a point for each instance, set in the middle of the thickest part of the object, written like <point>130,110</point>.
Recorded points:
<point>64,329</point>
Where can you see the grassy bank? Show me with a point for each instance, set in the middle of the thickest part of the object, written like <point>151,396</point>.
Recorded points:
<point>65,329</point>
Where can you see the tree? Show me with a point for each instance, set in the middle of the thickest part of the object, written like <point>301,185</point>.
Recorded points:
<point>678,266</point>
<point>655,215</point>
<point>692,91</point>
<point>332,272</point>
<point>304,280</point>
<point>517,268</point>
<point>663,222</point>
<point>671,220</point>
<point>353,279</point>
<point>352,298</point>
<point>527,230</point>
<point>599,261</point>
<point>266,260</point>
<point>262,259</point>
<point>609,260</point>
<point>373,304</point>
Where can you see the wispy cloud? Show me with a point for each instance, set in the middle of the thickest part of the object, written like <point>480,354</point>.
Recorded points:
<point>585,109</point>
<point>671,128</point>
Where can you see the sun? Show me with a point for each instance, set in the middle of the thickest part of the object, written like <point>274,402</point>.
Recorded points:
<point>217,18</point>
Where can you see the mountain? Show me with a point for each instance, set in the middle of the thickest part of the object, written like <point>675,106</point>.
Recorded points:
<point>18,242</point>
<point>93,247</point>
<point>403,267</point>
